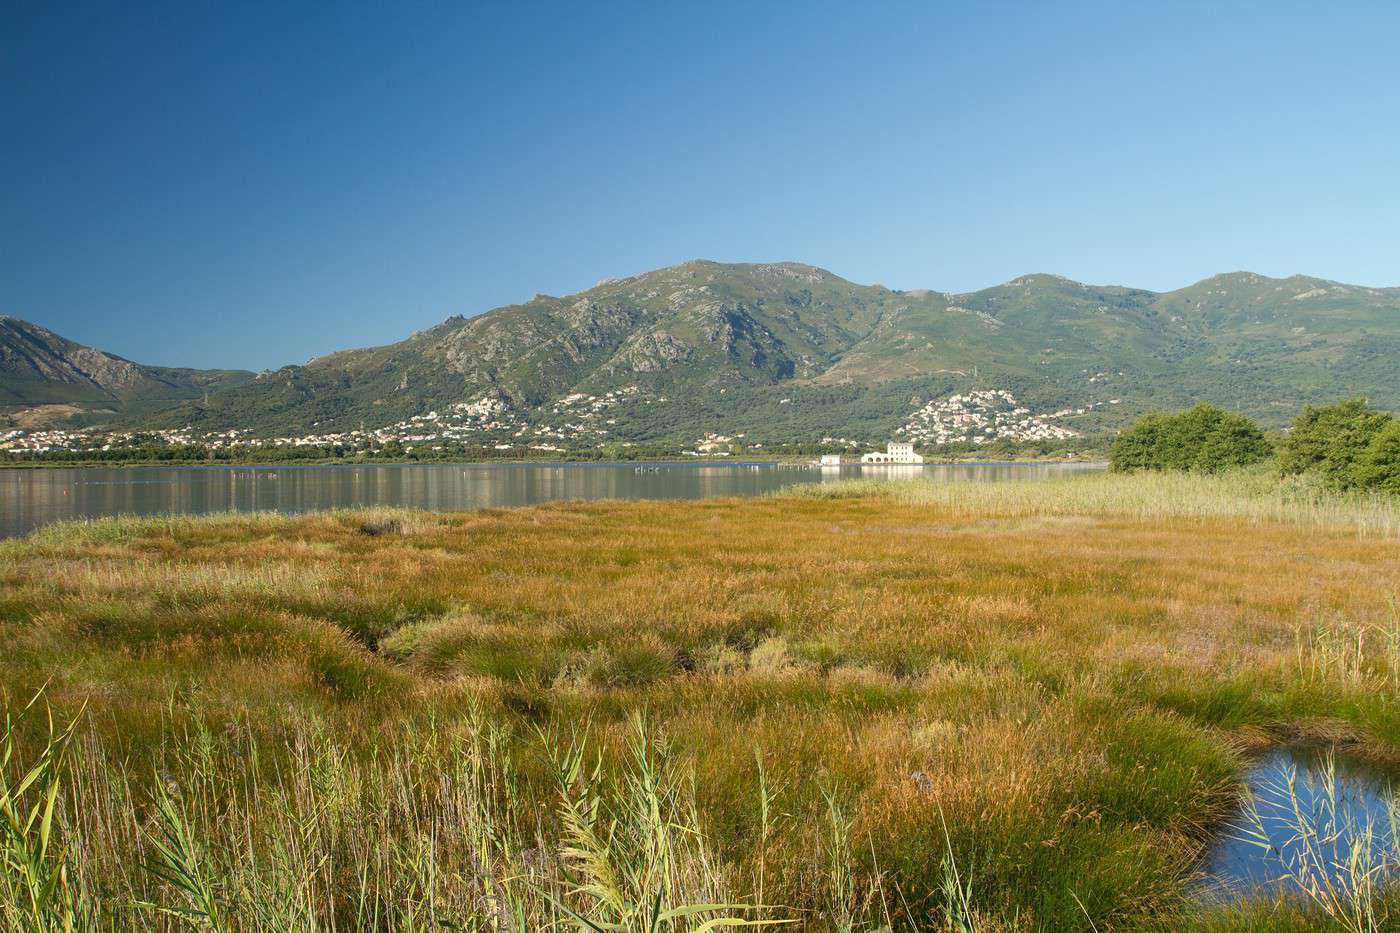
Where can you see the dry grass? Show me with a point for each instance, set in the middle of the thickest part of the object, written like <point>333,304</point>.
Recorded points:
<point>1051,683</point>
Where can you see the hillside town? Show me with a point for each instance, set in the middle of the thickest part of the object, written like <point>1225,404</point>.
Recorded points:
<point>575,420</point>
<point>572,422</point>
<point>981,417</point>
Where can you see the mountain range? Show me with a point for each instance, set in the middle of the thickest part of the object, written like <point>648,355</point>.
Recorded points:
<point>45,377</point>
<point>782,351</point>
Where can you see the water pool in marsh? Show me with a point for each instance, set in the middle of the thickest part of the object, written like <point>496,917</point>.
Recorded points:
<point>1309,816</point>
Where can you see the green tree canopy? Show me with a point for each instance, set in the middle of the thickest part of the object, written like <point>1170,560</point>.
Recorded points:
<point>1204,439</point>
<point>1329,440</point>
<point>1135,448</point>
<point>1378,466</point>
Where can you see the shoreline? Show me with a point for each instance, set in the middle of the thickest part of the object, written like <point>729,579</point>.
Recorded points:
<point>70,496</point>
<point>522,461</point>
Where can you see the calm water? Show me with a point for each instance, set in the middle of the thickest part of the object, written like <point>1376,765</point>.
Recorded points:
<point>31,498</point>
<point>1347,805</point>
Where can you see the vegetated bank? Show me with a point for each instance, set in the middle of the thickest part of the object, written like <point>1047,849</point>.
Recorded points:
<point>915,705</point>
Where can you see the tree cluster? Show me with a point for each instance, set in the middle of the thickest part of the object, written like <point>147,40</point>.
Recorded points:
<point>1204,439</point>
<point>1346,445</point>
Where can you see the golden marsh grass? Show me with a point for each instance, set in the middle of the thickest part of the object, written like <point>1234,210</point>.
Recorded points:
<point>1000,706</point>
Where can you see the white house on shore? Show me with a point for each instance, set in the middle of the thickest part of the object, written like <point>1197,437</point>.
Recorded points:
<point>894,453</point>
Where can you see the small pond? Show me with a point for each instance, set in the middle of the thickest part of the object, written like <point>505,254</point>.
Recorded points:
<point>1314,815</point>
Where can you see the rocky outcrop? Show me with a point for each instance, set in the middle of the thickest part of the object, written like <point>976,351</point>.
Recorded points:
<point>649,353</point>
<point>28,350</point>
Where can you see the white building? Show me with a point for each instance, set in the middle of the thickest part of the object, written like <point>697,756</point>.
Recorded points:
<point>831,460</point>
<point>894,453</point>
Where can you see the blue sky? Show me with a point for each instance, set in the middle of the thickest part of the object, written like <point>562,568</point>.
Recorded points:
<point>251,185</point>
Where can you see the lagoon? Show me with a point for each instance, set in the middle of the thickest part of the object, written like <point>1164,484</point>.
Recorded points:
<point>33,498</point>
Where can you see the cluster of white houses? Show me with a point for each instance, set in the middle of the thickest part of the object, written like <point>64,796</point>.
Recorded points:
<point>578,420</point>
<point>980,417</point>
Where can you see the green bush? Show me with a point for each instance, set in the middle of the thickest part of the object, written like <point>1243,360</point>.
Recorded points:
<point>1329,440</point>
<point>1204,439</point>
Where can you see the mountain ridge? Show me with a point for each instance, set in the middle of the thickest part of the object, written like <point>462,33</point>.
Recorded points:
<point>39,368</point>
<point>716,337</point>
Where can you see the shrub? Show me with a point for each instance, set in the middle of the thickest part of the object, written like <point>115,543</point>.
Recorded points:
<point>374,527</point>
<point>1329,440</point>
<point>1204,439</point>
<point>1231,440</point>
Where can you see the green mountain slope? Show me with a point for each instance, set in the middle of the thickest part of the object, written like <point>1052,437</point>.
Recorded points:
<point>785,351</point>
<point>698,328</point>
<point>1271,345</point>
<point>1036,327</point>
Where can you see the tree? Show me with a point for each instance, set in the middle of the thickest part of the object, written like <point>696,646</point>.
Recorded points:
<point>1329,440</point>
<point>1378,466</point>
<point>1135,448</point>
<point>1232,440</point>
<point>1204,439</point>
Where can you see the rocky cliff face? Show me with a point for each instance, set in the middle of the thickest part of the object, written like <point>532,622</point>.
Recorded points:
<point>28,351</point>
<point>38,367</point>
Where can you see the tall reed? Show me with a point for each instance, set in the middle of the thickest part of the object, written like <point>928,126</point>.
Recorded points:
<point>1251,496</point>
<point>1340,858</point>
<point>37,892</point>
<point>430,833</point>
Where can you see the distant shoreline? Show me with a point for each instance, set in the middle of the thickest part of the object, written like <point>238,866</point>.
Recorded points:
<point>521,461</point>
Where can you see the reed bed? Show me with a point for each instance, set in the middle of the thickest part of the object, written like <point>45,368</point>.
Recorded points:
<point>428,831</point>
<point>1256,496</point>
<point>953,708</point>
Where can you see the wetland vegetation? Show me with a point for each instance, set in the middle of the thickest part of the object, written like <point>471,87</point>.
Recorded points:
<point>999,706</point>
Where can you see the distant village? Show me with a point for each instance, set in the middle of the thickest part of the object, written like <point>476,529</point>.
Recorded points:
<point>982,417</point>
<point>573,422</point>
<point>576,421</point>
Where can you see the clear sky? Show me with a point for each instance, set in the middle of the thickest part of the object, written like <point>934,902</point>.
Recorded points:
<point>249,185</point>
